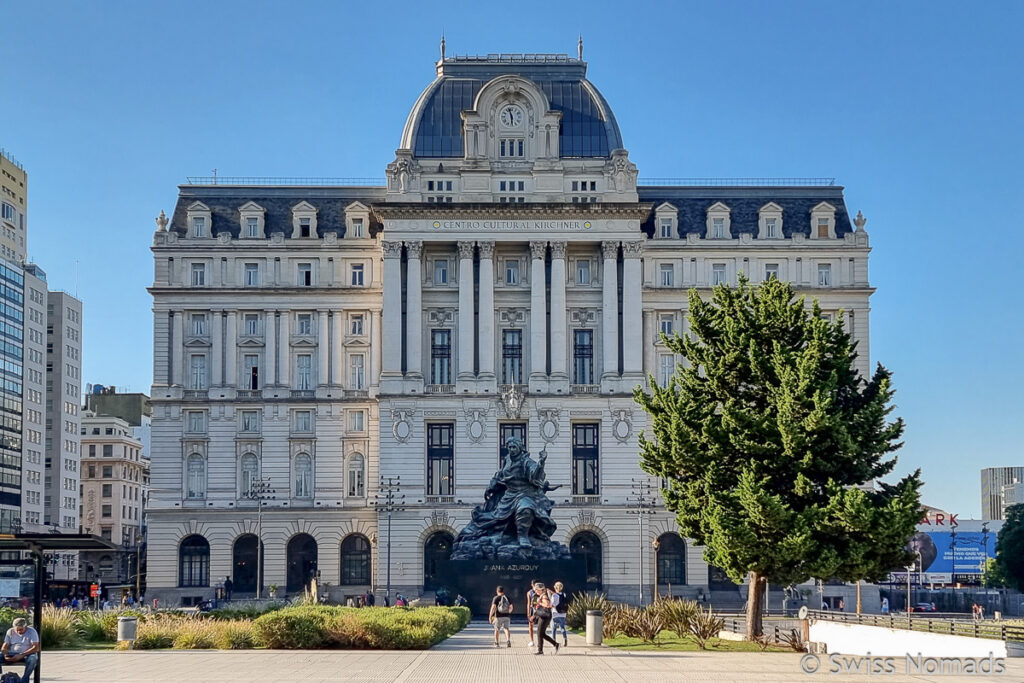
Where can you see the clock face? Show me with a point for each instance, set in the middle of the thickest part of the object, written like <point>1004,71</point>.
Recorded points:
<point>511,116</point>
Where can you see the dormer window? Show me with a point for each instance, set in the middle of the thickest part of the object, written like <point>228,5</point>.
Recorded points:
<point>199,221</point>
<point>718,228</point>
<point>357,228</point>
<point>664,228</point>
<point>252,227</point>
<point>357,221</point>
<point>666,218</point>
<point>769,222</point>
<point>771,229</point>
<point>252,219</point>
<point>822,227</point>
<point>304,227</point>
<point>199,227</point>
<point>718,222</point>
<point>823,221</point>
<point>304,220</point>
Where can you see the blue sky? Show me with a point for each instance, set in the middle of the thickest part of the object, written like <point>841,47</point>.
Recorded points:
<point>915,107</point>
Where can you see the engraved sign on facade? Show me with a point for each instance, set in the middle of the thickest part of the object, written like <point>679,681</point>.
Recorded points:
<point>516,226</point>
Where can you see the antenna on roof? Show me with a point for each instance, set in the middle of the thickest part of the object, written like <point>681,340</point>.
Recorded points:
<point>442,46</point>
<point>579,48</point>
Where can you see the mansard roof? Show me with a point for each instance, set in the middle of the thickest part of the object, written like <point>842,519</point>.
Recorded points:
<point>588,127</point>
<point>224,203</point>
<point>744,206</point>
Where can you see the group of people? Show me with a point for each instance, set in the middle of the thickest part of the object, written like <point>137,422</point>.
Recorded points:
<point>978,611</point>
<point>544,607</point>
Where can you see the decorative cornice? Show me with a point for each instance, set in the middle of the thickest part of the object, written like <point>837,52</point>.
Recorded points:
<point>540,210</point>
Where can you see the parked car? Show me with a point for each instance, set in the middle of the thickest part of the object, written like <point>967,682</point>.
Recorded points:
<point>924,607</point>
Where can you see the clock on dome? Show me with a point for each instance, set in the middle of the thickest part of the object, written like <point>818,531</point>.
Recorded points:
<point>511,116</point>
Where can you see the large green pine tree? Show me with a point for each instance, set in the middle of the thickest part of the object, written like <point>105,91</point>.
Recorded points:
<point>765,432</point>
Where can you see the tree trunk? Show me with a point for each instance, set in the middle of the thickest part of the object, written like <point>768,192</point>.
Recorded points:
<point>858,597</point>
<point>755,603</point>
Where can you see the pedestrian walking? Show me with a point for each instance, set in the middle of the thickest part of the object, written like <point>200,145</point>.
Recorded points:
<point>560,607</point>
<point>369,599</point>
<point>842,605</point>
<point>542,617</point>
<point>531,597</point>
<point>228,587</point>
<point>885,605</point>
<point>501,616</point>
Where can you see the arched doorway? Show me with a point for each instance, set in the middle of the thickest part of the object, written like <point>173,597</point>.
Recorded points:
<point>194,562</point>
<point>355,561</point>
<point>587,545</point>
<point>301,562</point>
<point>437,549</point>
<point>245,559</point>
<point>671,560</point>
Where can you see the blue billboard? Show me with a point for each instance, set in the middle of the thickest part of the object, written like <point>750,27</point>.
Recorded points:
<point>936,549</point>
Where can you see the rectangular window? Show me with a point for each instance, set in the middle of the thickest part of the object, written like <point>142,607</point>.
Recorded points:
<point>108,490</point>
<point>107,510</point>
<point>440,459</point>
<point>823,227</point>
<point>198,274</point>
<point>718,274</point>
<point>357,371</point>
<point>108,450</point>
<point>92,451</point>
<point>251,371</point>
<point>583,272</point>
<point>666,323</point>
<point>666,366</point>
<point>252,324</point>
<point>513,430</point>
<point>667,275</point>
<point>199,324</point>
<point>304,374</point>
<point>356,421</point>
<point>108,471</point>
<point>771,271</point>
<point>665,227</point>
<point>199,227</point>
<point>512,357</point>
<point>441,271</point>
<point>305,271</point>
<point>305,323</point>
<point>718,228</point>
<point>585,459</point>
<point>511,148</point>
<point>356,324</point>
<point>441,357</point>
<point>304,227</point>
<point>583,357</point>
<point>303,421</point>
<point>771,229</point>
<point>197,372</point>
<point>252,227</point>
<point>512,272</point>
<point>252,275</point>
<point>250,420</point>
<point>357,274</point>
<point>824,275</point>
<point>357,227</point>
<point>196,421</point>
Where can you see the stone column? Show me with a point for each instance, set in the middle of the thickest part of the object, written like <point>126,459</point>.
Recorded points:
<point>632,308</point>
<point>558,313</point>
<point>392,291</point>
<point>650,338</point>
<point>486,341</point>
<point>538,313</point>
<point>217,348</point>
<point>178,349</point>
<point>375,349</point>
<point>323,347</point>
<point>284,349</point>
<point>467,335</point>
<point>337,349</point>
<point>231,350</point>
<point>414,312</point>
<point>610,311</point>
<point>270,340</point>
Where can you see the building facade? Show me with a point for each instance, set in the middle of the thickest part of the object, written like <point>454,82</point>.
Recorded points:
<point>993,482</point>
<point>13,209</point>
<point>63,422</point>
<point>510,278</point>
<point>33,493</point>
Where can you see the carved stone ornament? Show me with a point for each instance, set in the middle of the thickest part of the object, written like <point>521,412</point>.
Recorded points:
<point>402,428</point>
<point>622,425</point>
<point>799,238</point>
<point>277,238</point>
<point>557,250</point>
<point>439,518</point>
<point>466,250</point>
<point>746,238</point>
<point>859,221</point>
<point>548,423</point>
<point>511,401</point>
<point>692,238</point>
<point>441,316</point>
<point>486,249</point>
<point>586,518</point>
<point>538,249</point>
<point>162,221</point>
<point>172,237</point>
<point>512,316</point>
<point>331,237</point>
<point>224,237</point>
<point>475,429</point>
<point>632,249</point>
<point>610,250</point>
<point>413,248</point>
<point>583,316</point>
<point>391,249</point>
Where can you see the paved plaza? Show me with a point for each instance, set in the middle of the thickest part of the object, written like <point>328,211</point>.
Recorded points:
<point>468,656</point>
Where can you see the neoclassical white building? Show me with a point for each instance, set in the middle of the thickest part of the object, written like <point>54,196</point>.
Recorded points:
<point>510,278</point>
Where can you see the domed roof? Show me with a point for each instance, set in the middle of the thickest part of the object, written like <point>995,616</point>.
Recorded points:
<point>588,127</point>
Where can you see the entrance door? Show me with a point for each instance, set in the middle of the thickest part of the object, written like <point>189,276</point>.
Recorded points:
<point>301,562</point>
<point>245,557</point>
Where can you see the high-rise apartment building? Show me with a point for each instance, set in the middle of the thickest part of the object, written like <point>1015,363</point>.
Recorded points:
<point>63,395</point>
<point>34,401</point>
<point>13,209</point>
<point>12,315</point>
<point>993,481</point>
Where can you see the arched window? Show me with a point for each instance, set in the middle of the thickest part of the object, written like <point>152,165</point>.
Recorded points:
<point>194,562</point>
<point>356,476</point>
<point>303,476</point>
<point>671,560</point>
<point>245,559</point>
<point>587,546</point>
<point>249,472</point>
<point>437,549</point>
<point>355,560</point>
<point>302,561</point>
<point>196,476</point>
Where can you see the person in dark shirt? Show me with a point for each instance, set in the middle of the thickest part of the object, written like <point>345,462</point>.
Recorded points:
<point>501,616</point>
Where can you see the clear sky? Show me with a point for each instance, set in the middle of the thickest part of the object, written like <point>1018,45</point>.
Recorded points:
<point>915,107</point>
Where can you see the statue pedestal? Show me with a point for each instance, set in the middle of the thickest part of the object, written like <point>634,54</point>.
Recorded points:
<point>477,579</point>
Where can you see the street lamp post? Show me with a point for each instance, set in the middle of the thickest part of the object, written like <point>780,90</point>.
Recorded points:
<point>260,490</point>
<point>657,544</point>
<point>643,502</point>
<point>952,548</point>
<point>390,498</point>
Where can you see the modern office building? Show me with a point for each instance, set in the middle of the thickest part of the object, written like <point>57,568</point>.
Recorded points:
<point>510,277</point>
<point>63,422</point>
<point>12,316</point>
<point>33,494</point>
<point>13,209</point>
<point>993,481</point>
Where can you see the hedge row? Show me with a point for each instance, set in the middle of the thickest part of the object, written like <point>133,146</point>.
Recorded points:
<point>381,628</point>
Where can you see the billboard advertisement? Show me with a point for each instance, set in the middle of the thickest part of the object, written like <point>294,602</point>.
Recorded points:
<point>937,549</point>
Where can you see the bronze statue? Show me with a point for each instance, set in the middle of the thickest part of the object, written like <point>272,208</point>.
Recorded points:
<point>515,520</point>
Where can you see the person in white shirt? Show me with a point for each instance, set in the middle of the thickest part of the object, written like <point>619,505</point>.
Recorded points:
<point>559,608</point>
<point>21,644</point>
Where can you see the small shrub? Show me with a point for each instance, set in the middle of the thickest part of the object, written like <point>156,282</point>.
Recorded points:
<point>234,635</point>
<point>794,641</point>
<point>677,614</point>
<point>612,623</point>
<point>8,615</point>
<point>91,627</point>
<point>581,603</point>
<point>58,629</point>
<point>705,625</point>
<point>250,612</point>
<point>294,628</point>
<point>155,634</point>
<point>193,635</point>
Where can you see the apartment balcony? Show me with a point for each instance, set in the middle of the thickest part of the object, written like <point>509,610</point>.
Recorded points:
<point>249,394</point>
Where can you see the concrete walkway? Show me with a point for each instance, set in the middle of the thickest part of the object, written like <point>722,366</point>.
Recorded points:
<point>468,656</point>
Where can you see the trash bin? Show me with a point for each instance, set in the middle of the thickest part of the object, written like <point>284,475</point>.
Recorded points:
<point>127,628</point>
<point>595,626</point>
<point>998,615</point>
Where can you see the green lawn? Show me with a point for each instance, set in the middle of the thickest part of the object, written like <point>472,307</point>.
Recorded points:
<point>668,641</point>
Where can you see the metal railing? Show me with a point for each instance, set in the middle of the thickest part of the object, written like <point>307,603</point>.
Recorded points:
<point>775,630</point>
<point>585,388</point>
<point>296,181</point>
<point>737,182</point>
<point>994,630</point>
<point>249,394</point>
<point>439,389</point>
